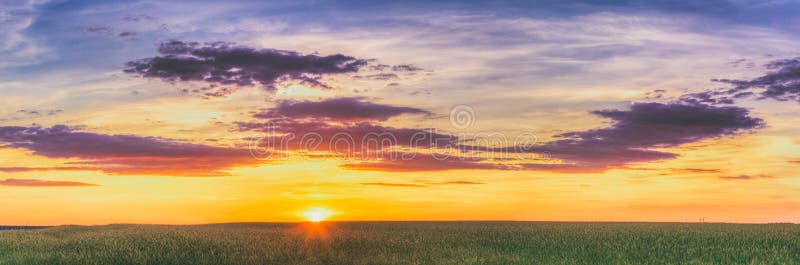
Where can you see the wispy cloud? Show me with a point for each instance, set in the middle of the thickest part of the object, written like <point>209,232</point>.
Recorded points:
<point>744,177</point>
<point>458,182</point>
<point>42,183</point>
<point>404,185</point>
<point>123,154</point>
<point>16,47</point>
<point>426,184</point>
<point>341,109</point>
<point>412,162</point>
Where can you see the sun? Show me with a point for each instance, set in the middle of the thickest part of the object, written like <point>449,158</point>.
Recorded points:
<point>317,214</point>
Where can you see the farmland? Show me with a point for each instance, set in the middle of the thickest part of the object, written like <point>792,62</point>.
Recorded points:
<point>406,243</point>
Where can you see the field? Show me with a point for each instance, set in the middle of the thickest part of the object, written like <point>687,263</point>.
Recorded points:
<point>406,243</point>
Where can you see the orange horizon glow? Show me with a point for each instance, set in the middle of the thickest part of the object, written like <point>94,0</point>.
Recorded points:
<point>317,214</point>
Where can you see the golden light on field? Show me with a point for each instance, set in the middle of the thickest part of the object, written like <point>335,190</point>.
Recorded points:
<point>317,214</point>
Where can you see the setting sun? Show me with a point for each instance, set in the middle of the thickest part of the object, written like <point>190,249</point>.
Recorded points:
<point>317,214</point>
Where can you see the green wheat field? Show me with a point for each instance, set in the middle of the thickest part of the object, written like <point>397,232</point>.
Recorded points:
<point>406,243</point>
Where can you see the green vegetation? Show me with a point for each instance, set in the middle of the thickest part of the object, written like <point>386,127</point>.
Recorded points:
<point>407,243</point>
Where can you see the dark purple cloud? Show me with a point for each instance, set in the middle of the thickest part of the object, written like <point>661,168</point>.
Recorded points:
<point>225,63</point>
<point>630,139</point>
<point>128,34</point>
<point>349,127</point>
<point>632,135</point>
<point>781,82</point>
<point>384,77</point>
<point>665,125</point>
<point>123,154</point>
<point>42,183</point>
<point>396,68</point>
<point>706,97</point>
<point>406,68</point>
<point>340,124</point>
<point>645,126</point>
<point>344,109</point>
<point>99,30</point>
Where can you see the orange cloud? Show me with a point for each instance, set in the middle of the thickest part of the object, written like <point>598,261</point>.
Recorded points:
<point>42,183</point>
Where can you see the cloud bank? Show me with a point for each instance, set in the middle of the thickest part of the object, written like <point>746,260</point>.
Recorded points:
<point>42,183</point>
<point>632,136</point>
<point>123,154</point>
<point>643,127</point>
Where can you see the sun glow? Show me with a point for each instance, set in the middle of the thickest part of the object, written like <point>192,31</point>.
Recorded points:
<point>317,214</point>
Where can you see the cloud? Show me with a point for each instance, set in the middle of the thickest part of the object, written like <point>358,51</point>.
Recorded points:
<point>406,68</point>
<point>710,7</point>
<point>42,183</point>
<point>631,138</point>
<point>349,128</point>
<point>740,177</point>
<point>696,170</point>
<point>386,76</point>
<point>408,185</point>
<point>706,97</point>
<point>123,154</point>
<point>657,124</point>
<point>645,126</point>
<point>458,182</point>
<point>781,83</point>
<point>128,34</point>
<point>108,31</point>
<point>363,140</point>
<point>17,48</point>
<point>396,68</point>
<point>349,124</point>
<point>394,184</point>
<point>33,169</point>
<point>103,30</point>
<point>223,63</point>
<point>138,17</point>
<point>413,162</point>
<point>744,177</point>
<point>25,114</point>
<point>345,109</point>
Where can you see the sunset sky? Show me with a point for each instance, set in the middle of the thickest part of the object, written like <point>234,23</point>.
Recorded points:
<point>174,112</point>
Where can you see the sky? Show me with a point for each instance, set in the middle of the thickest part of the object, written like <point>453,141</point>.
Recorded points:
<point>177,112</point>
